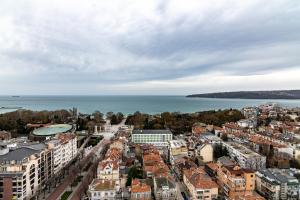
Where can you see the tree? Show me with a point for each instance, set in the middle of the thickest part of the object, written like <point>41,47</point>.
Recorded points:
<point>220,151</point>
<point>224,137</point>
<point>133,173</point>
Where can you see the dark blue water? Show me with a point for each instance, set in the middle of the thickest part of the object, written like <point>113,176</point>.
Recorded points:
<point>130,104</point>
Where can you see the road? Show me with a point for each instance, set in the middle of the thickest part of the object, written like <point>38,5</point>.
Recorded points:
<point>111,130</point>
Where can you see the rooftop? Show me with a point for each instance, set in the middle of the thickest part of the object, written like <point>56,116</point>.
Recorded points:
<point>278,176</point>
<point>161,131</point>
<point>52,129</point>
<point>103,185</point>
<point>242,149</point>
<point>18,154</point>
<point>162,182</point>
<point>139,186</point>
<point>177,143</point>
<point>199,179</point>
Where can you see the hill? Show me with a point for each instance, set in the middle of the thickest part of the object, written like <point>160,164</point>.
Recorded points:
<point>274,94</point>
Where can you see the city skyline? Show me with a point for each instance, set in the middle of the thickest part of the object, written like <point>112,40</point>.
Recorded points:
<point>148,47</point>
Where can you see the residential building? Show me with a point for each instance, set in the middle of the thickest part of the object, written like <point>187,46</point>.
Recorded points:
<point>164,188</point>
<point>247,123</point>
<point>154,137</point>
<point>250,112</point>
<point>177,149</point>
<point>69,147</point>
<point>204,152</point>
<point>199,184</point>
<point>108,170</point>
<point>210,139</point>
<point>56,147</point>
<point>235,181</point>
<point>103,189</point>
<point>182,164</point>
<point>278,184</point>
<point>140,190</point>
<point>245,157</point>
<point>24,171</point>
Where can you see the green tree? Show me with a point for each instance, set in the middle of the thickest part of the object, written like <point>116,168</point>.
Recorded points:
<point>133,173</point>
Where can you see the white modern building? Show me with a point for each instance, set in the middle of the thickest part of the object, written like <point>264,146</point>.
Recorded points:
<point>247,123</point>
<point>245,157</point>
<point>64,148</point>
<point>154,137</point>
<point>277,184</point>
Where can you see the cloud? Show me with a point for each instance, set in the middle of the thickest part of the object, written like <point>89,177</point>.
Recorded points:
<point>86,46</point>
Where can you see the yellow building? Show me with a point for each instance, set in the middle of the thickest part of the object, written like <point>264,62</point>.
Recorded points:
<point>177,149</point>
<point>236,182</point>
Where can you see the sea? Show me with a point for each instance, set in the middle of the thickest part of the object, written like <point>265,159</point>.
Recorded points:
<point>130,104</point>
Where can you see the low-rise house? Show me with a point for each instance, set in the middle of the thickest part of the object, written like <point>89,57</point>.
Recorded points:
<point>154,165</point>
<point>103,189</point>
<point>278,184</point>
<point>182,164</point>
<point>164,188</point>
<point>140,190</point>
<point>108,170</point>
<point>199,184</point>
<point>198,129</point>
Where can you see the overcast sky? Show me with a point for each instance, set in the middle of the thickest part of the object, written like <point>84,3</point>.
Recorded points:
<point>148,47</point>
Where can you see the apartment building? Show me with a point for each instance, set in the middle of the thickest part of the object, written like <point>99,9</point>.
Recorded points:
<point>164,188</point>
<point>154,137</point>
<point>236,182</point>
<point>204,152</point>
<point>68,147</point>
<point>250,112</point>
<point>199,184</point>
<point>24,171</point>
<point>245,157</point>
<point>247,123</point>
<point>56,147</point>
<point>278,184</point>
<point>140,190</point>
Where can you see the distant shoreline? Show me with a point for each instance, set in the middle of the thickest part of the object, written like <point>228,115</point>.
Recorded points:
<point>263,95</point>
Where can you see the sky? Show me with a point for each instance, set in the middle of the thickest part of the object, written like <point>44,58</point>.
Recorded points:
<point>138,47</point>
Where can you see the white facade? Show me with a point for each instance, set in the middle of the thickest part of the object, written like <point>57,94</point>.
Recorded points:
<point>64,150</point>
<point>205,151</point>
<point>245,157</point>
<point>103,189</point>
<point>247,123</point>
<point>154,137</point>
<point>108,170</point>
<point>23,172</point>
